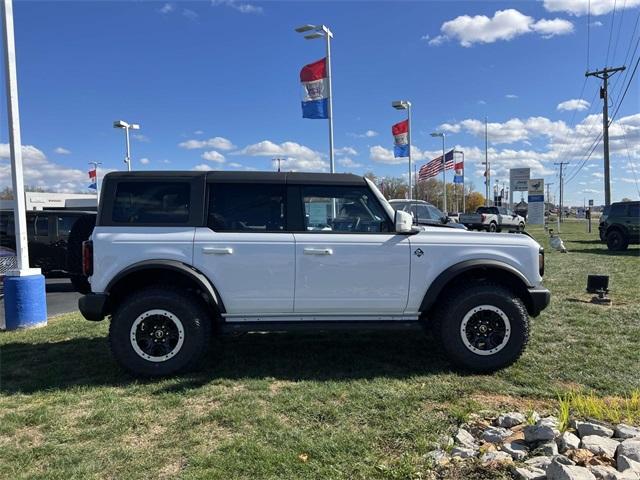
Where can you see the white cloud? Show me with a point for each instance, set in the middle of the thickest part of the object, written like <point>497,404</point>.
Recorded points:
<point>166,8</point>
<point>213,156</point>
<point>219,143</point>
<point>140,137</point>
<point>346,151</point>
<point>235,165</point>
<point>190,14</point>
<point>367,134</point>
<point>203,167</point>
<point>198,132</point>
<point>597,23</point>
<point>239,6</point>
<point>513,130</point>
<point>504,25</point>
<point>349,163</point>
<point>573,104</point>
<point>41,172</point>
<point>450,128</point>
<point>380,154</point>
<point>597,175</point>
<point>590,190</point>
<point>482,102</point>
<point>296,157</point>
<point>62,151</point>
<point>511,96</point>
<point>582,7</point>
<point>144,161</point>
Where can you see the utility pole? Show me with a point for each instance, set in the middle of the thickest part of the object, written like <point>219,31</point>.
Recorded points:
<point>279,160</point>
<point>604,75</point>
<point>548,194</point>
<point>487,165</point>
<point>562,164</point>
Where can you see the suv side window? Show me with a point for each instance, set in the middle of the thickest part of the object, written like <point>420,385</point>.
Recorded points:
<point>356,210</point>
<point>618,210</point>
<point>65,224</point>
<point>634,210</point>
<point>248,207</point>
<point>151,202</point>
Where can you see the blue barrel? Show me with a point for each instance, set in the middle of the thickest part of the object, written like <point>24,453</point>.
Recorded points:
<point>25,302</point>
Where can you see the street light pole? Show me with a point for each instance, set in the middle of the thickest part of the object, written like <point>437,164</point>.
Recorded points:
<point>95,166</point>
<point>126,127</point>
<point>406,105</point>
<point>444,175</point>
<point>322,31</point>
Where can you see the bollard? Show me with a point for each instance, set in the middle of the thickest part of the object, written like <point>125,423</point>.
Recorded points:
<point>25,304</point>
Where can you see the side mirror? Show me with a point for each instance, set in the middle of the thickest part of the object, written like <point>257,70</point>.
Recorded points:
<point>403,222</point>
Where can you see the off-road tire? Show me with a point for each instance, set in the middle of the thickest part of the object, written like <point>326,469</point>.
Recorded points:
<point>448,317</point>
<point>195,320</point>
<point>81,231</point>
<point>617,241</point>
<point>521,227</point>
<point>493,227</point>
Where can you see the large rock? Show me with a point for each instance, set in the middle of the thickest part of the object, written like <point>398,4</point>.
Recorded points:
<point>630,448</point>
<point>439,456</point>
<point>530,473</point>
<point>510,419</point>
<point>539,433</point>
<point>517,450</point>
<point>495,457</point>
<point>626,431</point>
<point>546,449</point>
<point>549,422</point>
<point>463,452</point>
<point>590,428</point>
<point>496,434</point>
<point>558,471</point>
<point>603,472</point>
<point>599,445</point>
<point>626,464</point>
<point>567,441</point>
<point>465,439</point>
<point>540,462</point>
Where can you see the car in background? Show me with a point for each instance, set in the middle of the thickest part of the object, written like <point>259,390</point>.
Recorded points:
<point>621,225</point>
<point>54,240</point>
<point>493,219</point>
<point>425,213</point>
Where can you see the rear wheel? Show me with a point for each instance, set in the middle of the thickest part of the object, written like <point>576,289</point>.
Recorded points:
<point>617,241</point>
<point>493,227</point>
<point>483,328</point>
<point>521,226</point>
<point>159,331</point>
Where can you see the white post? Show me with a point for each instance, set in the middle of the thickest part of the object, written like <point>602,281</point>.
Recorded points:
<point>444,178</point>
<point>128,147</point>
<point>409,141</point>
<point>328,35</point>
<point>463,192</point>
<point>15,144</point>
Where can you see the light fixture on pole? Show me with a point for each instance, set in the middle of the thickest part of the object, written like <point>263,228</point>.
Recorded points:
<point>322,31</point>
<point>406,105</point>
<point>444,175</point>
<point>126,127</point>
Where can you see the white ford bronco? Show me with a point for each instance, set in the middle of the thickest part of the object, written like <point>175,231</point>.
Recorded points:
<point>177,255</point>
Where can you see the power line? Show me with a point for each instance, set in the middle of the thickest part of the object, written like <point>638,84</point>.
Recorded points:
<point>626,57</point>
<point>588,32</point>
<point>615,45</point>
<point>613,17</point>
<point>624,94</point>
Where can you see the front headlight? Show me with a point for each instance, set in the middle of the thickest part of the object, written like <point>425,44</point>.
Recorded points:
<point>541,261</point>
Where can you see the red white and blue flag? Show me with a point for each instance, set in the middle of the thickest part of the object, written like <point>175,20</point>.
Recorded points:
<point>434,167</point>
<point>315,90</point>
<point>400,133</point>
<point>459,169</point>
<point>93,176</point>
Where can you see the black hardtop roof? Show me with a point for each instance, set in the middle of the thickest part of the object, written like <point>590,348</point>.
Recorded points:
<point>241,177</point>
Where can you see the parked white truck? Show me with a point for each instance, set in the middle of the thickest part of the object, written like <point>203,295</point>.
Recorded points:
<point>493,219</point>
<point>174,254</point>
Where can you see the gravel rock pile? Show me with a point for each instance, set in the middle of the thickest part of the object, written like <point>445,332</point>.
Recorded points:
<point>535,449</point>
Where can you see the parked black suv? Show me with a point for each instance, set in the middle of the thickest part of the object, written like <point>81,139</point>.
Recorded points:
<point>55,241</point>
<point>621,226</point>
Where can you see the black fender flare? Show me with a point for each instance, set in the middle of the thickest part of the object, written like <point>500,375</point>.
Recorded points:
<point>176,266</point>
<point>436,287</point>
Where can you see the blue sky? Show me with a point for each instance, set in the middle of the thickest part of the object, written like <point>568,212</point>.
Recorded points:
<point>215,85</point>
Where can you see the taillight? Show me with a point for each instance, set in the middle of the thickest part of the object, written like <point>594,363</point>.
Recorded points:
<point>541,261</point>
<point>482,217</point>
<point>87,258</point>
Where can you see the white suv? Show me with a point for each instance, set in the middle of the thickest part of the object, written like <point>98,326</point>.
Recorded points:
<point>175,253</point>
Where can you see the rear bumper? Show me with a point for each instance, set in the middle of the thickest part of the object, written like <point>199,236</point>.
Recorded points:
<point>540,298</point>
<point>93,306</point>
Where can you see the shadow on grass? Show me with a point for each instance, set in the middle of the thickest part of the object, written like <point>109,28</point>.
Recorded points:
<point>631,252</point>
<point>588,242</point>
<point>29,367</point>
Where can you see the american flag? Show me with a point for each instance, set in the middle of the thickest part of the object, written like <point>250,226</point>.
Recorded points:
<point>434,167</point>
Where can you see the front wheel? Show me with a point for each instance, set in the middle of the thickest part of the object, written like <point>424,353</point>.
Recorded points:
<point>159,331</point>
<point>483,328</point>
<point>521,226</point>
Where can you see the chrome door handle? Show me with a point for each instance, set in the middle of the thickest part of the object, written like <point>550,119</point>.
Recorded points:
<point>318,251</point>
<point>217,251</point>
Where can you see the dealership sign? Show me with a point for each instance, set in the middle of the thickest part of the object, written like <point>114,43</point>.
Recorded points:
<point>519,179</point>
<point>535,210</point>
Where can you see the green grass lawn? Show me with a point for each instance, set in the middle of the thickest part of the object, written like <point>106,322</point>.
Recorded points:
<point>304,405</point>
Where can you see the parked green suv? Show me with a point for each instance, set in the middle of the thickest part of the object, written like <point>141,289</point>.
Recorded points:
<point>621,226</point>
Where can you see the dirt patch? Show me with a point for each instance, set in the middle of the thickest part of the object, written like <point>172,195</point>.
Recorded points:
<point>277,385</point>
<point>28,437</point>
<point>143,438</point>
<point>201,405</point>
<point>509,402</point>
<point>173,468</point>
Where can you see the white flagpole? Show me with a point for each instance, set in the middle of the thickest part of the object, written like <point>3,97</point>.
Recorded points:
<point>328,35</point>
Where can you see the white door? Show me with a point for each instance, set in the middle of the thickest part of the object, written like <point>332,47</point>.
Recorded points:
<point>244,251</point>
<point>350,262</point>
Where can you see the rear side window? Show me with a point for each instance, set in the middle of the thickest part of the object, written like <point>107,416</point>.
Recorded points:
<point>151,203</point>
<point>634,210</point>
<point>246,207</point>
<point>618,209</point>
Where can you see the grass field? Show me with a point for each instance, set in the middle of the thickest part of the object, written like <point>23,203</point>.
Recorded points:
<point>332,405</point>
